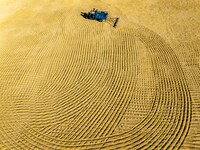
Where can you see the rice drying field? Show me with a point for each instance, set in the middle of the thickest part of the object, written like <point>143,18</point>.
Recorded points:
<point>67,82</point>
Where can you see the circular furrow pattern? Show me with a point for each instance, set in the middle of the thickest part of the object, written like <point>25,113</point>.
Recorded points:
<point>74,91</point>
<point>160,105</point>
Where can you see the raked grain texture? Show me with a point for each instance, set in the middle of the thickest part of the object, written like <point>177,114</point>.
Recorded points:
<point>71,83</point>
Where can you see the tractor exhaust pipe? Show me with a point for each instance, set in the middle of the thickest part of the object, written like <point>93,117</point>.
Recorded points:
<point>116,22</point>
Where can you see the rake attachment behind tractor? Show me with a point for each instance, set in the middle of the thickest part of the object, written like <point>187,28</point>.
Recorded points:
<point>113,21</point>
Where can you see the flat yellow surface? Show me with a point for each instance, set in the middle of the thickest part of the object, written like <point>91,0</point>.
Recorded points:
<point>67,82</point>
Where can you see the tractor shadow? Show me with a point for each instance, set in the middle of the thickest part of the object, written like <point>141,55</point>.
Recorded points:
<point>84,15</point>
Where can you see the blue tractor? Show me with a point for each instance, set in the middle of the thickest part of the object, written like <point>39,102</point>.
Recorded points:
<point>97,15</point>
<point>100,16</point>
